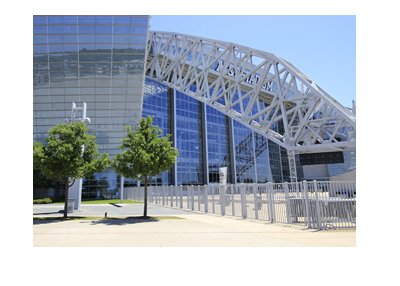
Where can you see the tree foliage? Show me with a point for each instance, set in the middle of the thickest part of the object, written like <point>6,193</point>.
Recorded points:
<point>146,153</point>
<point>68,152</point>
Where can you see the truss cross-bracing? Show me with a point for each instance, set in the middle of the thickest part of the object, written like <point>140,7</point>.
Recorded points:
<point>256,88</point>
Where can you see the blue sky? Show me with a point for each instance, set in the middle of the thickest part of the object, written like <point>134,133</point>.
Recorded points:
<point>322,47</point>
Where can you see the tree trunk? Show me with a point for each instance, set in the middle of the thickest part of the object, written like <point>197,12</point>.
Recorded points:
<point>66,186</point>
<point>145,198</point>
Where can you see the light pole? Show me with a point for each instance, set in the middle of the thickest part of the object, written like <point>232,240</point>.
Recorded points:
<point>75,191</point>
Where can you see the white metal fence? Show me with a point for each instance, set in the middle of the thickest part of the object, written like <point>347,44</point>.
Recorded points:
<point>314,204</point>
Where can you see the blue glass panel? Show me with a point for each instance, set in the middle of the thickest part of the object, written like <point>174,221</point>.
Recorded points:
<point>70,19</point>
<point>122,29</point>
<point>136,29</point>
<point>122,20</point>
<point>39,49</point>
<point>87,29</point>
<point>86,20</point>
<point>54,20</point>
<point>57,29</point>
<point>86,39</point>
<point>104,20</point>
<point>138,40</point>
<point>103,39</point>
<point>70,39</point>
<point>121,39</point>
<point>69,29</point>
<point>39,30</point>
<point>39,20</point>
<point>40,40</point>
<point>139,20</point>
<point>103,29</point>
<point>56,39</point>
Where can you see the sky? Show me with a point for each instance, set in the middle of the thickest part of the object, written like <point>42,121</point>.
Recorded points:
<point>322,47</point>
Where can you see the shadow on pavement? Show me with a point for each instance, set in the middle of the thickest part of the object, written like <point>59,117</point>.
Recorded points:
<point>115,205</point>
<point>49,213</point>
<point>96,220</point>
<point>124,221</point>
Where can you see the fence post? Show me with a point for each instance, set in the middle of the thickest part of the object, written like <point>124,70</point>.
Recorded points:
<point>306,203</point>
<point>243,201</point>
<point>192,197</point>
<point>287,201</point>
<point>172,195</point>
<point>317,206</point>
<point>222,198</point>
<point>176,195</point>
<point>271,203</point>
<point>181,198</point>
<point>213,198</point>
<point>205,199</point>
<point>187,196</point>
<point>163,195</point>
<point>233,198</point>
<point>198,197</point>
<point>255,201</point>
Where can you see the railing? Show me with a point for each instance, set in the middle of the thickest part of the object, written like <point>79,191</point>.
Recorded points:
<point>314,204</point>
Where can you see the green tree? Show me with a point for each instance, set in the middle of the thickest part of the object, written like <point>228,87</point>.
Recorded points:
<point>67,154</point>
<point>146,154</point>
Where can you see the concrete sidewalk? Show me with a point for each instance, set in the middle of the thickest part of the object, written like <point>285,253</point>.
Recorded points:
<point>190,230</point>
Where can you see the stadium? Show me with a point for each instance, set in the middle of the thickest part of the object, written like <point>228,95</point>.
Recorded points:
<point>226,105</point>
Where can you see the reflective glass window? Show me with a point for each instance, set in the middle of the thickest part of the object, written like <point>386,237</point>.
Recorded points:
<point>122,20</point>
<point>39,20</point>
<point>53,39</point>
<point>57,29</point>
<point>121,39</point>
<point>103,39</point>
<point>69,19</point>
<point>40,39</point>
<point>139,20</point>
<point>52,20</point>
<point>87,29</point>
<point>39,49</point>
<point>104,29</point>
<point>69,29</point>
<point>136,29</point>
<point>86,19</point>
<point>104,20</point>
<point>39,30</point>
<point>70,39</point>
<point>86,39</point>
<point>122,29</point>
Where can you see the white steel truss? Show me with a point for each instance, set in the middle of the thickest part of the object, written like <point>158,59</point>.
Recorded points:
<point>256,88</point>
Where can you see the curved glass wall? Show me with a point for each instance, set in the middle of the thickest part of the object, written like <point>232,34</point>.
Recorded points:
<point>190,165</point>
<point>218,144</point>
<point>96,59</point>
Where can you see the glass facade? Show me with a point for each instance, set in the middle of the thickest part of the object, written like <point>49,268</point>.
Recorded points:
<point>219,154</point>
<point>190,165</point>
<point>158,103</point>
<point>100,60</point>
<point>95,59</point>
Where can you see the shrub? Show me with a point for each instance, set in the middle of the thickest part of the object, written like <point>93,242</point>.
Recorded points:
<point>43,201</point>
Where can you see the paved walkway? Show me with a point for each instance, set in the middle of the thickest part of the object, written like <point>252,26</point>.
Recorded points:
<point>191,229</point>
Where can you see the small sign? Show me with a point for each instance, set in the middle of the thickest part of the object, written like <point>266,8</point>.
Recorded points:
<point>223,175</point>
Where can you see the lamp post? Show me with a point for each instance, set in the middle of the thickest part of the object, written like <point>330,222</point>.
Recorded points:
<point>75,191</point>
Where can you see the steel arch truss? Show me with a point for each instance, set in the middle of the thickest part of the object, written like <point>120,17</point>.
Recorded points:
<point>258,89</point>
